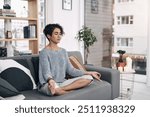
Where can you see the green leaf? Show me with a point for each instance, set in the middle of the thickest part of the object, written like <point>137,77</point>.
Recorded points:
<point>85,34</point>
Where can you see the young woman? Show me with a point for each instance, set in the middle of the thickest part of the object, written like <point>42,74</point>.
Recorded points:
<point>54,64</point>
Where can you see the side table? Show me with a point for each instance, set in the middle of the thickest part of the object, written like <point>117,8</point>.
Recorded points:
<point>126,84</point>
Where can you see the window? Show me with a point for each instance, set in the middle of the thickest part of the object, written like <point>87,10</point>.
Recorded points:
<point>125,19</point>
<point>131,19</point>
<point>118,20</point>
<point>125,41</point>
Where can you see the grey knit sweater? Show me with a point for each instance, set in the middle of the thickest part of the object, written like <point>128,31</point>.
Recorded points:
<point>55,64</point>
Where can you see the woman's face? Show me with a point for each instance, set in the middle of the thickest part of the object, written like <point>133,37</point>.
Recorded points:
<point>56,36</point>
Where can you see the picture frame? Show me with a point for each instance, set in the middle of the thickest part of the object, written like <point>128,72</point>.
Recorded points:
<point>94,6</point>
<point>67,4</point>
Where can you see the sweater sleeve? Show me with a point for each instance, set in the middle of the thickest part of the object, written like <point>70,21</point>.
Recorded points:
<point>71,70</point>
<point>45,65</point>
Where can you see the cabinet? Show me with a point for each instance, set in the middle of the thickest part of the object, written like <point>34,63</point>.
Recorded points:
<point>32,19</point>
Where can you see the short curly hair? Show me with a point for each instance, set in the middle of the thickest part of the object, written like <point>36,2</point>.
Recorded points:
<point>49,28</point>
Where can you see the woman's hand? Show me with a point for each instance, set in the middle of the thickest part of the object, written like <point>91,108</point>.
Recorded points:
<point>51,85</point>
<point>94,74</point>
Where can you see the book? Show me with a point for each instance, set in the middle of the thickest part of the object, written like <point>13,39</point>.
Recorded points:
<point>26,32</point>
<point>3,52</point>
<point>29,31</point>
<point>32,30</point>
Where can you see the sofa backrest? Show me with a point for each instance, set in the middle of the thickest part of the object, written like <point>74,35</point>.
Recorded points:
<point>33,62</point>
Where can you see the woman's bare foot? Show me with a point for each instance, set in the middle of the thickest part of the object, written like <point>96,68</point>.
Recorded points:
<point>60,91</point>
<point>51,87</point>
<point>55,90</point>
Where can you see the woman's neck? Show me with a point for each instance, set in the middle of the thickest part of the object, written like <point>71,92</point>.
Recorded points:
<point>52,46</point>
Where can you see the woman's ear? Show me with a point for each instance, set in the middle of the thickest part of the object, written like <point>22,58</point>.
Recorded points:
<point>48,36</point>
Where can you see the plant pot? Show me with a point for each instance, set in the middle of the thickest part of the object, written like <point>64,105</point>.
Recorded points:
<point>121,64</point>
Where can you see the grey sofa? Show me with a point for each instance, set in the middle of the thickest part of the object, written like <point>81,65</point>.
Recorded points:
<point>107,89</point>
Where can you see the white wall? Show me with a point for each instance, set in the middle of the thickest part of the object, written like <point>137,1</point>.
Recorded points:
<point>71,21</point>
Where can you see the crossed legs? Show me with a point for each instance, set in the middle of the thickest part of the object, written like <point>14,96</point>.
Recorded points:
<point>80,83</point>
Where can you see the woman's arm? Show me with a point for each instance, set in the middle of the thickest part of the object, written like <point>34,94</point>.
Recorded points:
<point>44,63</point>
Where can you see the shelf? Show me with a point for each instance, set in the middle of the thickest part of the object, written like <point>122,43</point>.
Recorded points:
<point>18,18</point>
<point>32,19</point>
<point>23,39</point>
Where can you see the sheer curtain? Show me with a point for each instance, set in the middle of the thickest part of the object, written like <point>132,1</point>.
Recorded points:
<point>148,47</point>
<point>42,23</point>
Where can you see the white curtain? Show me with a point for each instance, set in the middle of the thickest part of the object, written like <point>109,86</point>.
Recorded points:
<point>148,47</point>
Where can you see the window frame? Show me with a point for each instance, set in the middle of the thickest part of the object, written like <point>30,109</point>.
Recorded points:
<point>125,20</point>
<point>124,41</point>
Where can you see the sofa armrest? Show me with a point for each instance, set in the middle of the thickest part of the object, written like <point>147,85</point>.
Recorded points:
<point>110,75</point>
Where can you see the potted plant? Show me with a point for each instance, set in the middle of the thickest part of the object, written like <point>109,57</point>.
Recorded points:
<point>121,62</point>
<point>87,36</point>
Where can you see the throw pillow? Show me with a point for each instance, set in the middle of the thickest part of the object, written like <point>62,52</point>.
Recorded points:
<point>17,75</point>
<point>35,61</point>
<point>75,63</point>
<point>7,90</point>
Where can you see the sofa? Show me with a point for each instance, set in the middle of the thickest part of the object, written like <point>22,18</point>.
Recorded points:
<point>106,89</point>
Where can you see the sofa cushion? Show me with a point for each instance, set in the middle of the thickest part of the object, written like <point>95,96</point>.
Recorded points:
<point>7,90</point>
<point>75,62</point>
<point>16,74</point>
<point>96,91</point>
